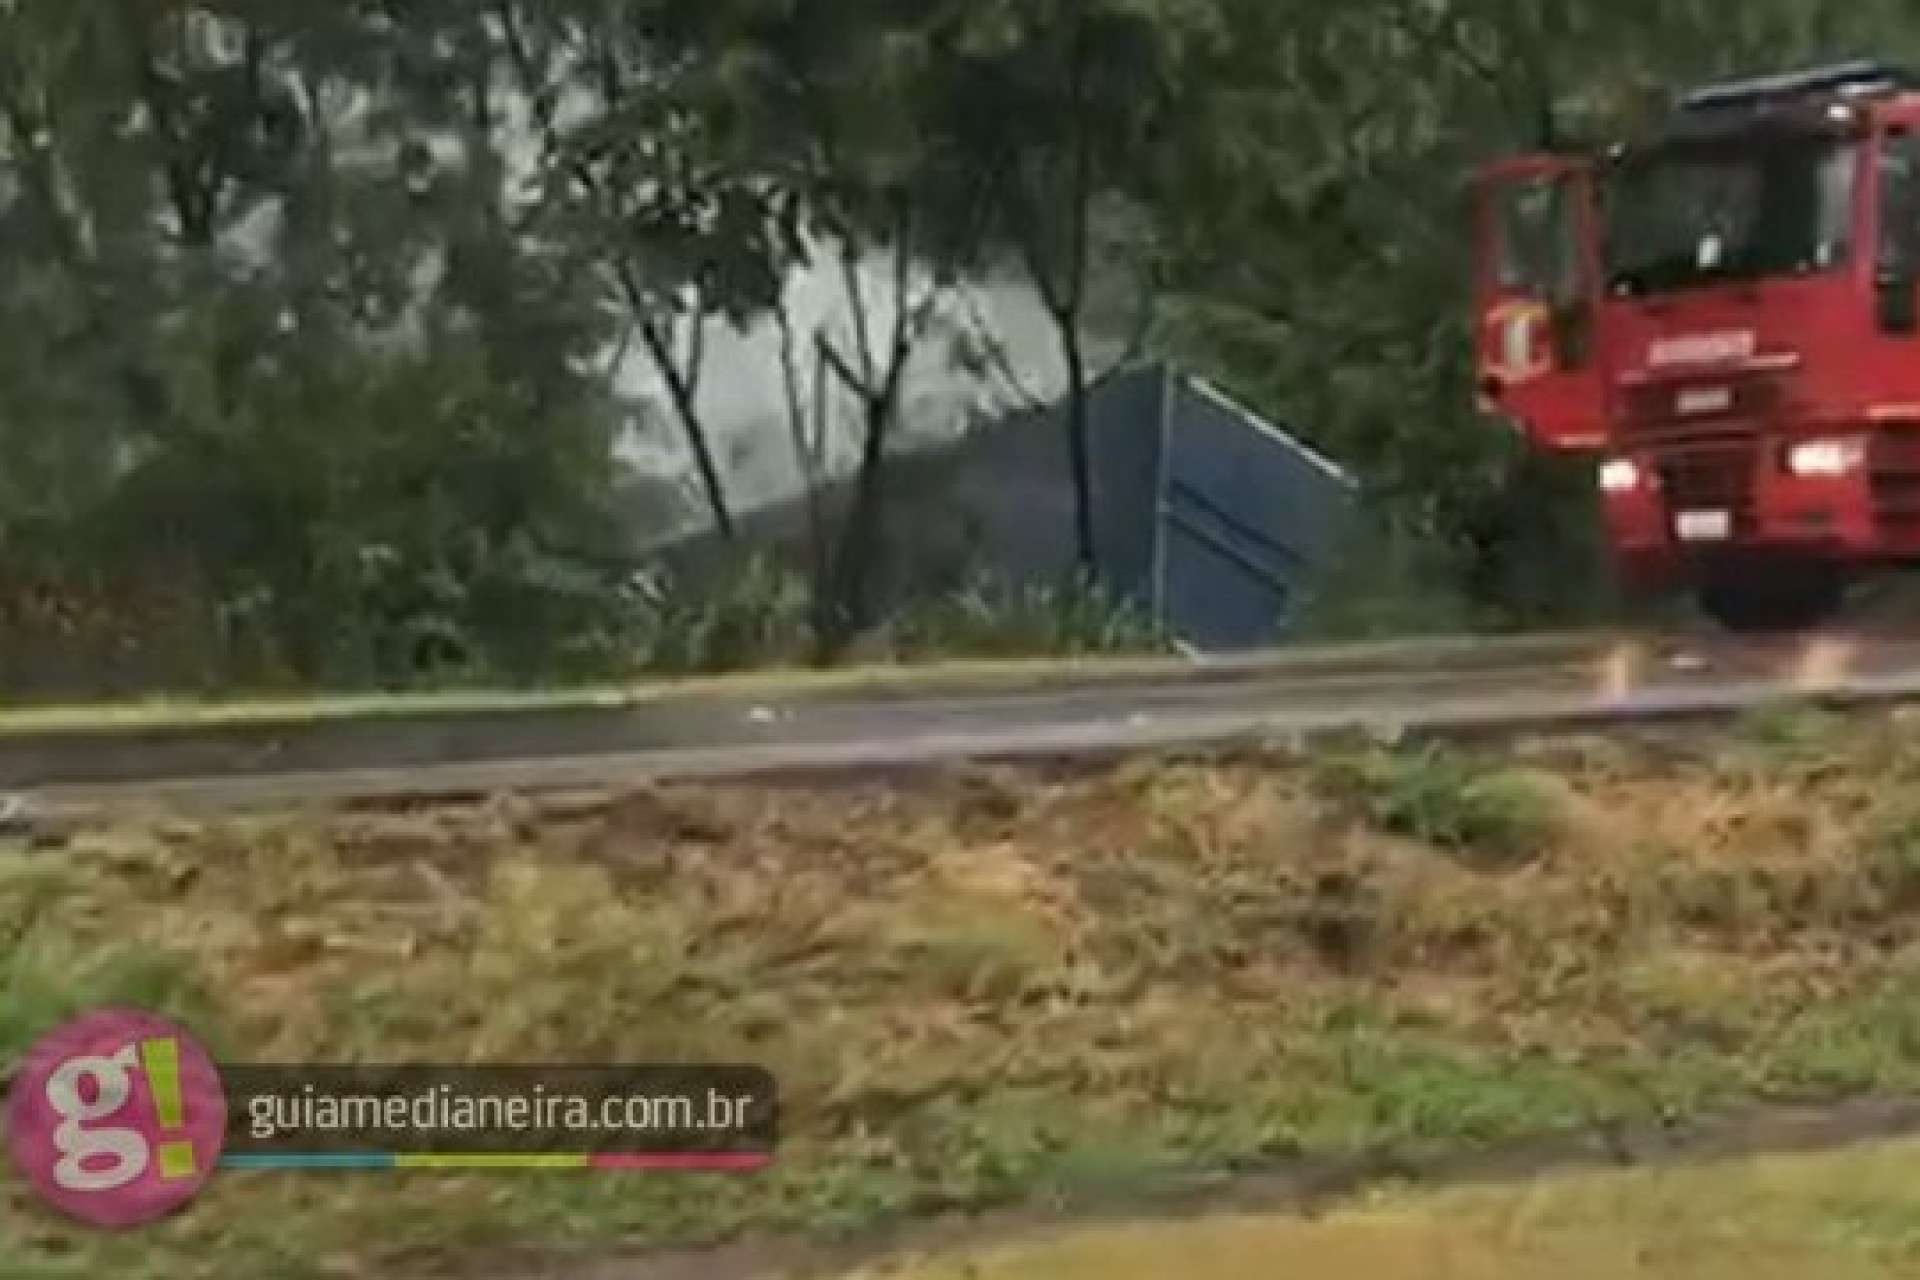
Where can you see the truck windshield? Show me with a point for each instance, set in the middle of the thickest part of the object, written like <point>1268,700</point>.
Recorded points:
<point>1700,213</point>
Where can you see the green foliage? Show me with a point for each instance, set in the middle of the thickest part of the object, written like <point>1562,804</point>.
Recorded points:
<point>996,620</point>
<point>1891,854</point>
<point>365,519</point>
<point>1448,799</point>
<point>311,310</point>
<point>1789,731</point>
<point>48,976</point>
<point>757,612</point>
<point>1389,579</point>
<point>752,613</point>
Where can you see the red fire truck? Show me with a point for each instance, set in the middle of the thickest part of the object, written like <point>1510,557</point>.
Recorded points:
<point>1726,315</point>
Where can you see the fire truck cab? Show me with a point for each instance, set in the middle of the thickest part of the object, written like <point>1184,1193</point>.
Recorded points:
<point>1726,316</point>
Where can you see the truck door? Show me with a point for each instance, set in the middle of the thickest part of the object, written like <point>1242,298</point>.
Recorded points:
<point>1537,296</point>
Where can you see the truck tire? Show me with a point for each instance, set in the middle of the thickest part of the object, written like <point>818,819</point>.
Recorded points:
<point>1774,599</point>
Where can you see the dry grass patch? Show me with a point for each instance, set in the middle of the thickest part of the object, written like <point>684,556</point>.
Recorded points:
<point>1854,1216</point>
<point>1001,986</point>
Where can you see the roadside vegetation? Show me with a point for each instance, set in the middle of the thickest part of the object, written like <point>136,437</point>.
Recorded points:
<point>1845,1216</point>
<point>363,346</point>
<point>987,989</point>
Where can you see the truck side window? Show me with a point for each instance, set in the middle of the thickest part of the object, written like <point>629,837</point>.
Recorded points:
<point>1899,211</point>
<point>1538,254</point>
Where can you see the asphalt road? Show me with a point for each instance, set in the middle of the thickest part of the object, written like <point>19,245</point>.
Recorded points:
<point>1450,686</point>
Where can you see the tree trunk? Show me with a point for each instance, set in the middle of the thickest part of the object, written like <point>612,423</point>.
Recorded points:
<point>849,599</point>
<point>680,390</point>
<point>1080,451</point>
<point>711,483</point>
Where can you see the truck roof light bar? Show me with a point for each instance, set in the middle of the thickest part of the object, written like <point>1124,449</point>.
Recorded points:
<point>1853,79</point>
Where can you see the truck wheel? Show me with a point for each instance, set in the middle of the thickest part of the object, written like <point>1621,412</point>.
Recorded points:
<point>1774,599</point>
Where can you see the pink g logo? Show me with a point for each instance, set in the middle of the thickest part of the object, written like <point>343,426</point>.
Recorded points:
<point>117,1118</point>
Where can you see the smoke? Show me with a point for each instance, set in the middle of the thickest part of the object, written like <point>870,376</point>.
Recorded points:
<point>990,348</point>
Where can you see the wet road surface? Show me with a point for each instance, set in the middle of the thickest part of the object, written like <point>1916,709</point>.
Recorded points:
<point>1447,685</point>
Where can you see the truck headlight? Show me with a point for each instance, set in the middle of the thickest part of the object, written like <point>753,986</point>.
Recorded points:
<point>1830,457</point>
<point>1619,475</point>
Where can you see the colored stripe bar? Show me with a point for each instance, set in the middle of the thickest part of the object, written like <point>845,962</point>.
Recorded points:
<point>681,1160</point>
<point>663,1160</point>
<point>308,1160</point>
<point>490,1160</point>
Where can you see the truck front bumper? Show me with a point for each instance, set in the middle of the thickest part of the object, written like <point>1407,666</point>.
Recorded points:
<point>1664,517</point>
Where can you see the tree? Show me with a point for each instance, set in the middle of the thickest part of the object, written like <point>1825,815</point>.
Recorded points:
<point>1049,107</point>
<point>830,121</point>
<point>649,183</point>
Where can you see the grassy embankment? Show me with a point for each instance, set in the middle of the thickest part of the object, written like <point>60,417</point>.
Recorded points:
<point>1853,1215</point>
<point>878,679</point>
<point>165,712</point>
<point>1005,988</point>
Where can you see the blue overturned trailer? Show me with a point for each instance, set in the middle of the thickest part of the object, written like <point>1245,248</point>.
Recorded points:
<point>1207,518</point>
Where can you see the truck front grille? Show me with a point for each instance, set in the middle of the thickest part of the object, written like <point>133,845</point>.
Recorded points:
<point>1895,482</point>
<point>1710,475</point>
<point>1653,414</point>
